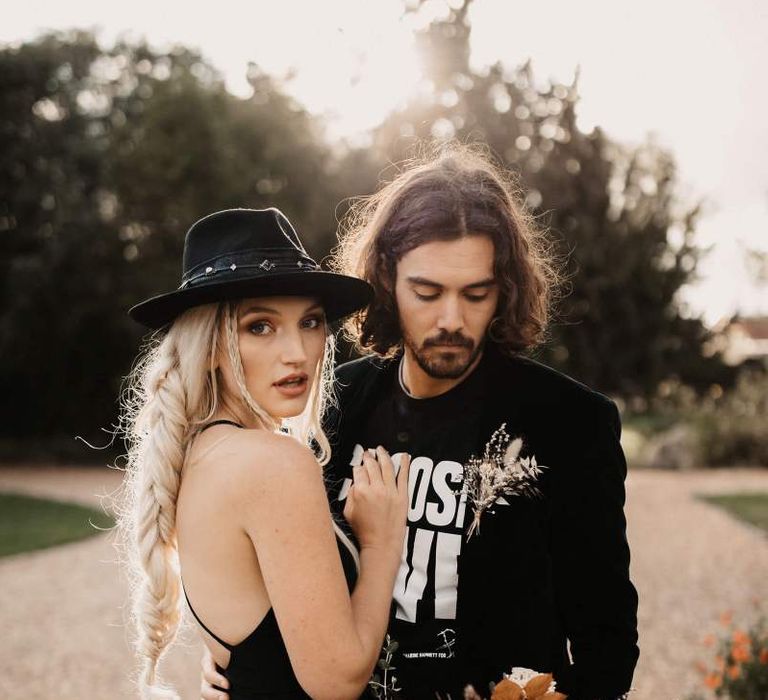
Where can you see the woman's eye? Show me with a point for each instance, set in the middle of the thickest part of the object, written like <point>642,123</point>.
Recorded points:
<point>426,297</point>
<point>259,328</point>
<point>474,297</point>
<point>312,322</point>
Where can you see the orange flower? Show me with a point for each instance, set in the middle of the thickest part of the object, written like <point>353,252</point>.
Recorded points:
<point>713,680</point>
<point>507,690</point>
<point>726,617</point>
<point>701,667</point>
<point>720,662</point>
<point>734,672</point>
<point>740,638</point>
<point>535,689</point>
<point>764,656</point>
<point>740,654</point>
<point>709,640</point>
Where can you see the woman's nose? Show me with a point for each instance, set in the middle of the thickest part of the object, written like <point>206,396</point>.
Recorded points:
<point>293,351</point>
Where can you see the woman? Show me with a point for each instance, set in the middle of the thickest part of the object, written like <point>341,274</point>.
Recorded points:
<point>221,497</point>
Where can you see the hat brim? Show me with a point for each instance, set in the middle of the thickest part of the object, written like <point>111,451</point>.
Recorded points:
<point>340,295</point>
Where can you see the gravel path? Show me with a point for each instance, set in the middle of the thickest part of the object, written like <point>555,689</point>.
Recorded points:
<point>62,610</point>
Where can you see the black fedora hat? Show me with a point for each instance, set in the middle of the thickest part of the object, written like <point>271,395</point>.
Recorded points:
<point>239,253</point>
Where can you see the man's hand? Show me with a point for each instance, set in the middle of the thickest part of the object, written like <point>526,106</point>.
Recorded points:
<point>212,677</point>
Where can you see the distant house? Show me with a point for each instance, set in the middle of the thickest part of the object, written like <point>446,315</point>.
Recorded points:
<point>743,339</point>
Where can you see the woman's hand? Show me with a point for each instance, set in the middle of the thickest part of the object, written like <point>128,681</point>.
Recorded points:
<point>211,678</point>
<point>377,502</point>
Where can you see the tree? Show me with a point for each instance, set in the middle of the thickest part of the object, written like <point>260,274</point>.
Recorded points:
<point>611,210</point>
<point>55,239</point>
<point>108,155</point>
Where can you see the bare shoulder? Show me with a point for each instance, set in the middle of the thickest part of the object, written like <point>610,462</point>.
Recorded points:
<point>258,461</point>
<point>276,492</point>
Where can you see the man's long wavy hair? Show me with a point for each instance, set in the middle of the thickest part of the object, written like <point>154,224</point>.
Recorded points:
<point>450,192</point>
<point>174,389</point>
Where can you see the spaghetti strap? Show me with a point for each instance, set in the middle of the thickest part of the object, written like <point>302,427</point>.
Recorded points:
<point>210,447</point>
<point>222,421</point>
<point>227,646</point>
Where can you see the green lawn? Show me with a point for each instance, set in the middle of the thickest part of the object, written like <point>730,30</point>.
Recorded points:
<point>28,523</point>
<point>750,507</point>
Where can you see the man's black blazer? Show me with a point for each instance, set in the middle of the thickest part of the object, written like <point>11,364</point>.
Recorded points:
<point>544,574</point>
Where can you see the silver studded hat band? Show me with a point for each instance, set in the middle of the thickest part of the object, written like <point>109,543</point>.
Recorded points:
<point>241,253</point>
<point>258,261</point>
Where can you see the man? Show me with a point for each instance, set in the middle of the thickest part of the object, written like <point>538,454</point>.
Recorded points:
<point>462,288</point>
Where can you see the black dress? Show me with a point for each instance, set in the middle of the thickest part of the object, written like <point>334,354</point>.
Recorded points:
<point>259,667</point>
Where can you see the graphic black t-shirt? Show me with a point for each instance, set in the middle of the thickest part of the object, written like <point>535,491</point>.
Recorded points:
<point>440,434</point>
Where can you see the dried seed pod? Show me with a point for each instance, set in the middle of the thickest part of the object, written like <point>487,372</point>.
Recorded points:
<point>507,690</point>
<point>536,687</point>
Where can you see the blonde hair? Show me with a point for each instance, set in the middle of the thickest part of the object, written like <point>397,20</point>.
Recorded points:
<point>172,391</point>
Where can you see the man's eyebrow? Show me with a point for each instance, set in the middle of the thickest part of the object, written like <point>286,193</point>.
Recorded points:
<point>424,281</point>
<point>489,282</point>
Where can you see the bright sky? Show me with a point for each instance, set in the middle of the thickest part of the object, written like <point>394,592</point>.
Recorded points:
<point>690,72</point>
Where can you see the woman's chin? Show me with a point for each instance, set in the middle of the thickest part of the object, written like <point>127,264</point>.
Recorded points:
<point>289,409</point>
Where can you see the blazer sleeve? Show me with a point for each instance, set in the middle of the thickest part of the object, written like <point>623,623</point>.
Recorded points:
<point>597,603</point>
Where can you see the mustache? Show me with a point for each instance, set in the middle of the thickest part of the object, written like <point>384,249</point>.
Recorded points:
<point>456,339</point>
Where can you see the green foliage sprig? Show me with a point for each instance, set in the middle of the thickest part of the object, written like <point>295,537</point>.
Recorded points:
<point>383,683</point>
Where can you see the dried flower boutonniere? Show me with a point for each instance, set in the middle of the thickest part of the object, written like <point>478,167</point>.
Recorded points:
<point>519,684</point>
<point>499,472</point>
<point>523,683</point>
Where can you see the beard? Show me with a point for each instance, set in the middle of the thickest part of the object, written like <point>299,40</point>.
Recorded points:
<point>444,365</point>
